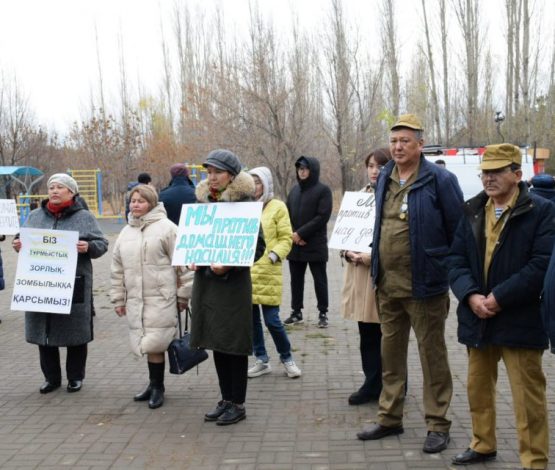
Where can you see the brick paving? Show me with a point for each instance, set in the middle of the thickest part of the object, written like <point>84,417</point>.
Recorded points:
<point>301,424</point>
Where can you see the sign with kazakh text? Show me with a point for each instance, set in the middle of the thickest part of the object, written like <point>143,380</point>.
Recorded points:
<point>45,275</point>
<point>354,225</point>
<point>9,221</point>
<point>222,233</point>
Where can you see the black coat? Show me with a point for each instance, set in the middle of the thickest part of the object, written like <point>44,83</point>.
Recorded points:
<point>222,304</point>
<point>515,277</point>
<point>310,204</point>
<point>180,191</point>
<point>549,301</point>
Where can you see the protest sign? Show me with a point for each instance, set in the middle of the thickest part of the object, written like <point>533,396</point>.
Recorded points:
<point>224,233</point>
<point>354,226</point>
<point>9,220</point>
<point>45,275</point>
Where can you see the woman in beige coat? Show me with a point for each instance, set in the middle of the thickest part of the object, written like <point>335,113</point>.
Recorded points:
<point>146,287</point>
<point>359,302</point>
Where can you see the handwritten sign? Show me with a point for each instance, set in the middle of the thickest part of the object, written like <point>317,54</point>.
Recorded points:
<point>224,233</point>
<point>354,226</point>
<point>9,221</point>
<point>45,274</point>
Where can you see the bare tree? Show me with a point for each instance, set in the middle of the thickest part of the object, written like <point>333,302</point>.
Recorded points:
<point>429,55</point>
<point>446,75</point>
<point>389,40</point>
<point>468,16</point>
<point>338,86</point>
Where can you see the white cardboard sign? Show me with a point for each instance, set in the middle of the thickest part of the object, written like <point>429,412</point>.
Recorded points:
<point>9,220</point>
<point>46,267</point>
<point>222,233</point>
<point>354,225</point>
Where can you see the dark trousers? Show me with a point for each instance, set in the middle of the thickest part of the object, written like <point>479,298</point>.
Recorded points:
<point>75,363</point>
<point>297,270</point>
<point>370,353</point>
<point>232,376</point>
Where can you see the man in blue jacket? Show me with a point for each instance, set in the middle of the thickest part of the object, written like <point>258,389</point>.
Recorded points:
<point>418,206</point>
<point>181,190</point>
<point>496,269</point>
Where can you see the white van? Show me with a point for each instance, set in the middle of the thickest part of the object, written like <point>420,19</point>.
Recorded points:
<point>465,164</point>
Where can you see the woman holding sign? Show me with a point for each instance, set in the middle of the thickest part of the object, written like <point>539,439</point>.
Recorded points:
<point>359,301</point>
<point>63,211</point>
<point>222,295</point>
<point>146,287</point>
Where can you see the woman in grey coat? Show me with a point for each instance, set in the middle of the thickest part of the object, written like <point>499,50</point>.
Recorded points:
<point>61,211</point>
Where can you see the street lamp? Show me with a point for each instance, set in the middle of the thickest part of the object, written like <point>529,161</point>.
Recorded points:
<point>499,118</point>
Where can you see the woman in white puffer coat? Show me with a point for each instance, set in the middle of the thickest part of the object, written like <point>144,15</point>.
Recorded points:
<point>146,287</point>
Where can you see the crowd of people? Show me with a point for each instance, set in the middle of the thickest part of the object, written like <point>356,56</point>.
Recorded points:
<point>495,251</point>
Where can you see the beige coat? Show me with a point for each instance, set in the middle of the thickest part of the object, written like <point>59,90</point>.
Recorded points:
<point>144,281</point>
<point>358,298</point>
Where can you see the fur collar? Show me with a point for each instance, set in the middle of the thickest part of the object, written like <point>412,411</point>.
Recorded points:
<point>241,189</point>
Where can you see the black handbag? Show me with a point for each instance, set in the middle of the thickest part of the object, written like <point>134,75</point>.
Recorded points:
<point>181,356</point>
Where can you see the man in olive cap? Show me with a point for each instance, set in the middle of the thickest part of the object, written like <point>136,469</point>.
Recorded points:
<point>497,264</point>
<point>418,206</point>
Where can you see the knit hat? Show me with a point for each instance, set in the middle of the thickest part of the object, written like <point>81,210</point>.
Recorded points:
<point>179,169</point>
<point>65,180</point>
<point>224,160</point>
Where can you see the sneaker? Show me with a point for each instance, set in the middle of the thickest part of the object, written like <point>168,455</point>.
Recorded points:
<point>259,368</point>
<point>323,321</point>
<point>296,317</point>
<point>291,369</point>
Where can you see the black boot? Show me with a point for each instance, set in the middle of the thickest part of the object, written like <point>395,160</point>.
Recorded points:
<point>144,395</point>
<point>156,372</point>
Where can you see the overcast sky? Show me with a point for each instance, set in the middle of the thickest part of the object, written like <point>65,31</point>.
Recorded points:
<point>50,44</point>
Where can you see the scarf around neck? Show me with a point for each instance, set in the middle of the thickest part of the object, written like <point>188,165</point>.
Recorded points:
<point>56,209</point>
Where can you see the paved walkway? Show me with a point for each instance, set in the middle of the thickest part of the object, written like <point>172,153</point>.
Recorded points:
<point>292,424</point>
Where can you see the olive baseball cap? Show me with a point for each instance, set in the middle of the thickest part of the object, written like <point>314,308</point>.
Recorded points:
<point>499,156</point>
<point>410,121</point>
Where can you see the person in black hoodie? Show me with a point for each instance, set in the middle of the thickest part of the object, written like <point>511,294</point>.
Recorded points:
<point>181,190</point>
<point>309,204</point>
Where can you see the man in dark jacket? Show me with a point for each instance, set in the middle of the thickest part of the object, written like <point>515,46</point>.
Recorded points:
<point>181,190</point>
<point>496,268</point>
<point>418,206</point>
<point>543,185</point>
<point>548,304</point>
<point>309,204</point>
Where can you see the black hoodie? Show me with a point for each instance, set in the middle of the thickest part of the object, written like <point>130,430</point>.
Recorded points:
<point>310,204</point>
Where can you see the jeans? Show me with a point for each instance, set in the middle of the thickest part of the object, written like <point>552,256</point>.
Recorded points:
<point>276,329</point>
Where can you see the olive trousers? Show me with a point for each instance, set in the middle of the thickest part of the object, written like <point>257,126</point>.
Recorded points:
<point>527,380</point>
<point>427,318</point>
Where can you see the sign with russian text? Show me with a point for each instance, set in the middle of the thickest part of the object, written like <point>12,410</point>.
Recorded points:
<point>354,225</point>
<point>45,275</point>
<point>221,233</point>
<point>9,221</point>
